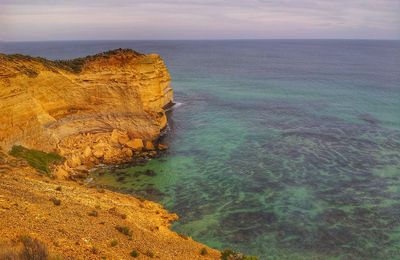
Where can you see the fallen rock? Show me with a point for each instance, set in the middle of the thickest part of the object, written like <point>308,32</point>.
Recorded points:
<point>136,144</point>
<point>149,146</point>
<point>128,152</point>
<point>61,173</point>
<point>99,153</point>
<point>123,138</point>
<point>74,161</point>
<point>114,136</point>
<point>87,152</point>
<point>162,146</point>
<point>118,137</point>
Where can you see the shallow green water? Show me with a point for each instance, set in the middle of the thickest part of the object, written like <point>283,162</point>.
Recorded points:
<point>303,165</point>
<point>281,149</point>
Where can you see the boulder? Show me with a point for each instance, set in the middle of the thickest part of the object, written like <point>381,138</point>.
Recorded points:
<point>149,146</point>
<point>136,144</point>
<point>123,139</point>
<point>87,152</point>
<point>61,173</point>
<point>98,153</point>
<point>115,136</point>
<point>118,137</point>
<point>74,161</point>
<point>127,152</point>
<point>112,155</point>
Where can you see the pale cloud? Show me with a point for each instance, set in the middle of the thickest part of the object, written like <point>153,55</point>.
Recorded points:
<point>195,19</point>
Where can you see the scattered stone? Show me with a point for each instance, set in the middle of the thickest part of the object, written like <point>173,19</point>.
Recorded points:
<point>128,152</point>
<point>123,138</point>
<point>74,161</point>
<point>98,153</point>
<point>149,146</point>
<point>81,169</point>
<point>162,146</point>
<point>87,152</point>
<point>115,136</point>
<point>136,144</point>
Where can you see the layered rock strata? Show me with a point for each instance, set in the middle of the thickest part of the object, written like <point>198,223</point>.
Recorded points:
<point>101,108</point>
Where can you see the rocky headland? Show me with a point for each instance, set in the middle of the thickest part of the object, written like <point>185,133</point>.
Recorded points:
<point>59,119</point>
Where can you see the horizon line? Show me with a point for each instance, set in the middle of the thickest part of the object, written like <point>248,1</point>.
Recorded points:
<point>205,39</point>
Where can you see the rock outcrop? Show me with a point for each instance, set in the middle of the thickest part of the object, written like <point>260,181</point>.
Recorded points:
<point>100,108</point>
<point>106,108</point>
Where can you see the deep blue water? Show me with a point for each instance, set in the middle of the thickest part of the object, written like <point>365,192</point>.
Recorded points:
<point>279,148</point>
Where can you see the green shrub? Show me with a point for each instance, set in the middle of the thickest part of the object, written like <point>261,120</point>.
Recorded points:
<point>134,253</point>
<point>114,242</point>
<point>203,251</point>
<point>124,230</point>
<point>37,159</point>
<point>33,249</point>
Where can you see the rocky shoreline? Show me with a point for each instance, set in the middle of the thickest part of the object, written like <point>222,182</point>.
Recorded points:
<point>105,109</point>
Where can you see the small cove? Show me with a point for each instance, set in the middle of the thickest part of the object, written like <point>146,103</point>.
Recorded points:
<point>281,149</point>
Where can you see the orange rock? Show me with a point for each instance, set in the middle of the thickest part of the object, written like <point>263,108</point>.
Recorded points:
<point>74,161</point>
<point>118,137</point>
<point>162,146</point>
<point>123,139</point>
<point>87,152</point>
<point>98,153</point>
<point>127,152</point>
<point>136,144</point>
<point>149,146</point>
<point>115,136</point>
<point>61,173</point>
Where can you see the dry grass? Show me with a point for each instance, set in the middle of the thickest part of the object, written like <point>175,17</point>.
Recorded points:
<point>26,248</point>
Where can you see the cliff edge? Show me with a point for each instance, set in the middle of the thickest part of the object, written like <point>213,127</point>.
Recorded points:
<point>106,108</point>
<point>100,108</point>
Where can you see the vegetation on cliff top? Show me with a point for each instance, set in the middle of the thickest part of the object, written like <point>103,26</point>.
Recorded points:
<point>71,65</point>
<point>39,160</point>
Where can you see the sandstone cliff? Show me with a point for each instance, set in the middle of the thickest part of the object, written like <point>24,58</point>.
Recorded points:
<point>99,108</point>
<point>103,108</point>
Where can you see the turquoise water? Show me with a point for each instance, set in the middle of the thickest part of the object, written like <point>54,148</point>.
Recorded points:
<point>281,149</point>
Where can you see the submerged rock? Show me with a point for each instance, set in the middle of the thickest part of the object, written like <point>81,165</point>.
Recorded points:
<point>162,146</point>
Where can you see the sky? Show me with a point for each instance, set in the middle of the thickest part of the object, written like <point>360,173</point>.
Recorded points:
<point>41,20</point>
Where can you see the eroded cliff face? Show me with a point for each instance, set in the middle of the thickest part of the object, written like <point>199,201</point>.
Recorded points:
<point>99,108</point>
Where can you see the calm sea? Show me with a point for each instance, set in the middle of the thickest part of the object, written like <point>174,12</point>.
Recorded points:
<point>281,149</point>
